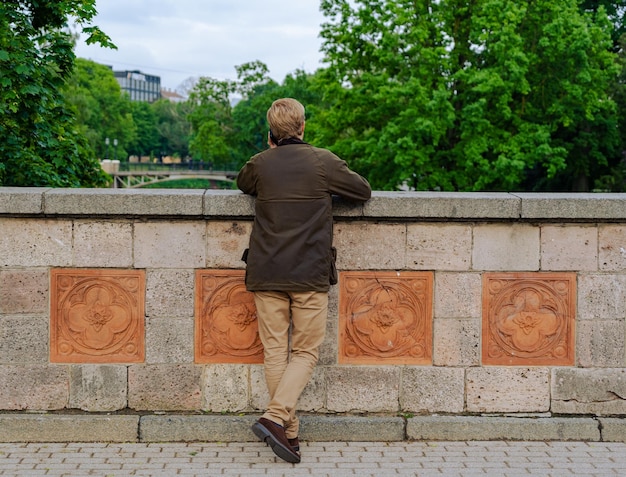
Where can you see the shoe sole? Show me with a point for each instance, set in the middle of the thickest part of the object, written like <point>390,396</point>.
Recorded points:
<point>279,449</point>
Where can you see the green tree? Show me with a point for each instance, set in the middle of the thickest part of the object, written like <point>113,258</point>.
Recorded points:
<point>173,127</point>
<point>616,12</point>
<point>215,138</point>
<point>211,121</point>
<point>469,94</point>
<point>249,114</point>
<point>147,139</point>
<point>101,110</point>
<point>615,179</point>
<point>249,121</point>
<point>41,144</point>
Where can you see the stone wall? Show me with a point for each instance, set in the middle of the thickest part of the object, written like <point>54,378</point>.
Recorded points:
<point>463,304</point>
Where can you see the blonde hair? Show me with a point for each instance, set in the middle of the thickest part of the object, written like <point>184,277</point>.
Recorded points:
<point>286,118</point>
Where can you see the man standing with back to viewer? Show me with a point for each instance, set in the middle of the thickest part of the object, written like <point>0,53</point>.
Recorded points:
<point>289,261</point>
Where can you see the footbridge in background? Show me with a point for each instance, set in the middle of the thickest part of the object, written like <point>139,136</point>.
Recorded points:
<point>136,179</point>
<point>135,175</point>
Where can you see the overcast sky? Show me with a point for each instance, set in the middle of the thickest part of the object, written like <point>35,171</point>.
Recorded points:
<point>178,39</point>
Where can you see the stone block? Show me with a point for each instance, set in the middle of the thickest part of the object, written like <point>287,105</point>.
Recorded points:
<point>68,428</point>
<point>21,200</point>
<point>226,242</point>
<point>170,245</point>
<point>329,348</point>
<point>363,388</point>
<point>612,247</point>
<point>601,296</point>
<point>227,204</point>
<point>35,243</point>
<point>33,387</point>
<point>458,295</point>
<point>213,428</point>
<point>596,391</point>
<point>346,208</point>
<point>456,342</point>
<point>103,244</point>
<point>438,247</point>
<point>23,339</point>
<point>507,247</point>
<point>124,202</point>
<point>169,293</point>
<point>613,429</point>
<point>169,340</point>
<point>572,206</point>
<point>259,397</point>
<point>98,388</point>
<point>473,428</point>
<point>24,291</point>
<point>351,428</point>
<point>192,428</point>
<point>600,343</point>
<point>225,388</point>
<point>457,205</point>
<point>363,247</point>
<point>508,389</point>
<point>430,389</point>
<point>312,399</point>
<point>569,248</point>
<point>165,387</point>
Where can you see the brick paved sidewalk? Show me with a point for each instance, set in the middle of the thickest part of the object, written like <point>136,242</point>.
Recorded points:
<point>335,459</point>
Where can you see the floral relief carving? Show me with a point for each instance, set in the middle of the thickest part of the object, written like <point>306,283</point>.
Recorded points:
<point>226,322</point>
<point>529,318</point>
<point>97,316</point>
<point>385,317</point>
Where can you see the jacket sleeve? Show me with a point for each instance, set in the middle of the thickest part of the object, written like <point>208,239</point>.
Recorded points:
<point>347,183</point>
<point>246,180</point>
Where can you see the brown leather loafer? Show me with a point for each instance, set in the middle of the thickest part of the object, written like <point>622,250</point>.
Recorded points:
<point>274,436</point>
<point>294,443</point>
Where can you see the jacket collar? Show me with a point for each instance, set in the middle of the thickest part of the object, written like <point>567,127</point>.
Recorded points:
<point>290,140</point>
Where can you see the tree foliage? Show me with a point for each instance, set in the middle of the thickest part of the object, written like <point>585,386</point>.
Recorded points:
<point>173,127</point>
<point>427,94</point>
<point>616,13</point>
<point>101,110</point>
<point>249,115</point>
<point>218,135</point>
<point>470,94</point>
<point>41,145</point>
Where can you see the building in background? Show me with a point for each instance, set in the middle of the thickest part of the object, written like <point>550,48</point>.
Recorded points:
<point>139,86</point>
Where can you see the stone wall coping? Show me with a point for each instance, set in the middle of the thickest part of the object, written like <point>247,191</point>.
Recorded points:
<point>221,204</point>
<point>236,428</point>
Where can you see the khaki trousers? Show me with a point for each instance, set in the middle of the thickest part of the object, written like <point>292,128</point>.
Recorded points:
<point>287,371</point>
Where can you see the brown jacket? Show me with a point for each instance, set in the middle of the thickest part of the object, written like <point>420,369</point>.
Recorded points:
<point>290,244</point>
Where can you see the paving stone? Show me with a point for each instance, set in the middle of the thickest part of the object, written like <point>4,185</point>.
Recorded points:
<point>321,459</point>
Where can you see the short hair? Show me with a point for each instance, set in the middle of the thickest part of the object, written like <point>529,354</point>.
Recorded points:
<point>286,118</point>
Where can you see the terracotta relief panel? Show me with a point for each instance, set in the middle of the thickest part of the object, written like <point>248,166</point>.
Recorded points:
<point>97,316</point>
<point>529,319</point>
<point>226,329</point>
<point>385,317</point>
